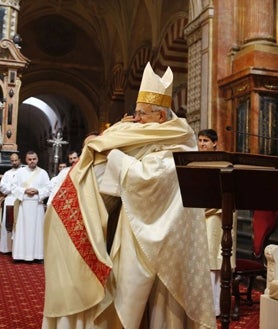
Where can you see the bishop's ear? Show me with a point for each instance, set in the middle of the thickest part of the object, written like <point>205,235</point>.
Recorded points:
<point>163,117</point>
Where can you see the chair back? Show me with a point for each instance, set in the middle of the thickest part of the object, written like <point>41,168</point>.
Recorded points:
<point>264,224</point>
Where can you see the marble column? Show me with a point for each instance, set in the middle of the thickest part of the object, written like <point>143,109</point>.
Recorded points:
<point>259,21</point>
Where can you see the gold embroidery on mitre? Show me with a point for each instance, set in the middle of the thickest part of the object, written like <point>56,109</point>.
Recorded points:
<point>154,98</point>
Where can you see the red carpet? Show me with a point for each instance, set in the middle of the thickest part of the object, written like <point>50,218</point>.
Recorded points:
<point>250,315</point>
<point>22,295</point>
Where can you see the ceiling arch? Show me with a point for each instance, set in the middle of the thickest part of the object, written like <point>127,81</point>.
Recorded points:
<point>87,57</point>
<point>61,90</point>
<point>33,137</point>
<point>52,116</point>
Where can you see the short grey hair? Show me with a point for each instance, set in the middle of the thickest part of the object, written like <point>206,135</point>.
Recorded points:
<point>167,110</point>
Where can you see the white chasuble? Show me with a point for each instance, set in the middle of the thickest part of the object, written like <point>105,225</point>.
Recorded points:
<point>158,240</point>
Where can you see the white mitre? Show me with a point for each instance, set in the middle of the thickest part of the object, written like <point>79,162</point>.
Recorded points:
<point>154,89</point>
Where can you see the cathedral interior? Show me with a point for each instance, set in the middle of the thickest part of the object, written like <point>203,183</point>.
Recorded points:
<point>75,66</point>
<point>85,61</point>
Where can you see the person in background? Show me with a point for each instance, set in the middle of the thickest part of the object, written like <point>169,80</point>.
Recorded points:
<point>62,165</point>
<point>207,141</point>
<point>53,181</point>
<point>30,188</point>
<point>8,204</point>
<point>72,158</point>
<point>156,275</point>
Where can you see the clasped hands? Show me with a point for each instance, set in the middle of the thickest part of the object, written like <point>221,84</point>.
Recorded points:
<point>31,191</point>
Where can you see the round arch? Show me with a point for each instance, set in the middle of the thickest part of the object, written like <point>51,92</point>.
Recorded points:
<point>72,94</point>
<point>195,9</point>
<point>75,113</point>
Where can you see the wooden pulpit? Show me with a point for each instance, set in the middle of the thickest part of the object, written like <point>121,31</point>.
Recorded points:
<point>230,181</point>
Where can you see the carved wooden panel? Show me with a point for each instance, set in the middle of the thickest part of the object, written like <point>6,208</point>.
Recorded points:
<point>268,125</point>
<point>242,115</point>
<point>252,109</point>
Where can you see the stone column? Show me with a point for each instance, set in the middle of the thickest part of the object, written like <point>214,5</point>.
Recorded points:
<point>259,21</point>
<point>257,34</point>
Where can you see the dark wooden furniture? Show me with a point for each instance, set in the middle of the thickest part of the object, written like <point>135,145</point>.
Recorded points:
<point>229,181</point>
<point>264,223</point>
<point>251,102</point>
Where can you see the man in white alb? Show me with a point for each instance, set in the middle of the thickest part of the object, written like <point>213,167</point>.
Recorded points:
<point>30,189</point>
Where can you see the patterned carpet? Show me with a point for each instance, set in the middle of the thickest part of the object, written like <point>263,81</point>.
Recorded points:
<point>249,318</point>
<point>22,296</point>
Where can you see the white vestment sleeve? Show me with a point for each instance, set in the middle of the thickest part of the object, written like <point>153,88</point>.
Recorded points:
<point>110,183</point>
<point>18,192</point>
<point>44,191</point>
<point>6,182</point>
